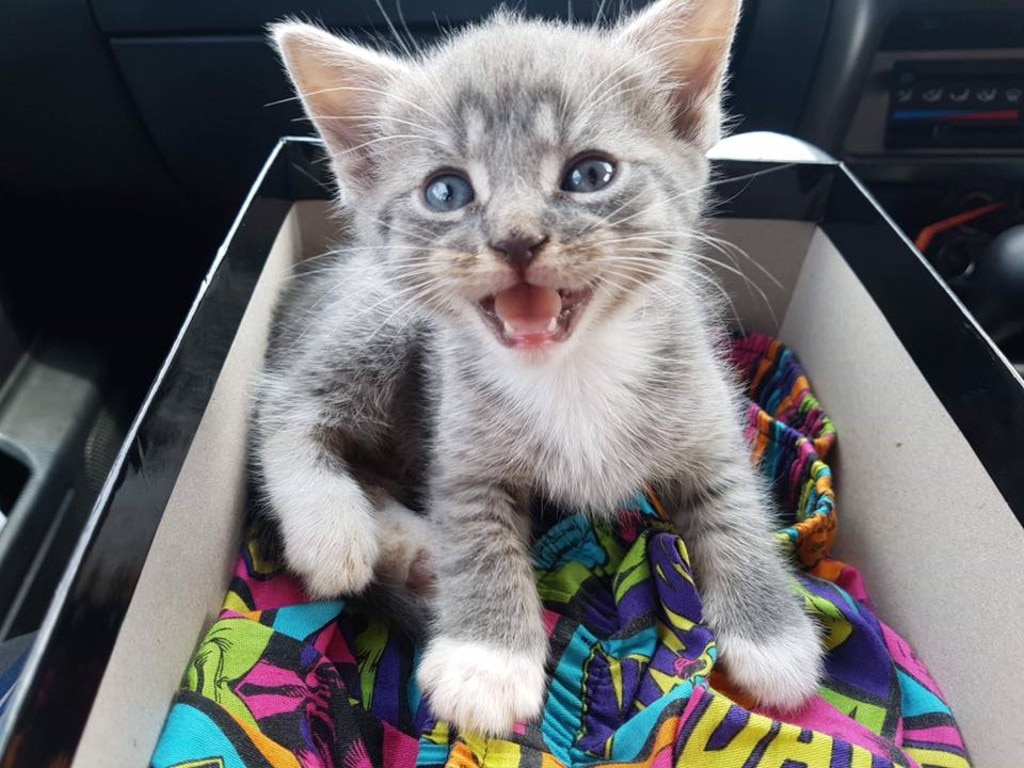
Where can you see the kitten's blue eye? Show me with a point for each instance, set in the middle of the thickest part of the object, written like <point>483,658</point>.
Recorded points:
<point>448,192</point>
<point>589,174</point>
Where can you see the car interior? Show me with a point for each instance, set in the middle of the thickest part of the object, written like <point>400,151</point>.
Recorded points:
<point>132,132</point>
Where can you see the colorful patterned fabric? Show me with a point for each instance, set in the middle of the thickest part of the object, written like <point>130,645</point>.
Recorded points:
<point>282,681</point>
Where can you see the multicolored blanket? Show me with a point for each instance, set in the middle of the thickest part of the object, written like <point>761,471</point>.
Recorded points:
<point>285,682</point>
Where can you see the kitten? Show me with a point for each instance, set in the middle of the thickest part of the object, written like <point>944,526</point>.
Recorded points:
<point>518,313</point>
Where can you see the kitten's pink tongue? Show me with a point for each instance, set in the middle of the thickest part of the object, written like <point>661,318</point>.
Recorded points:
<point>528,310</point>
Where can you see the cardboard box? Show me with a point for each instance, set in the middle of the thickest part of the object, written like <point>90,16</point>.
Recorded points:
<point>930,465</point>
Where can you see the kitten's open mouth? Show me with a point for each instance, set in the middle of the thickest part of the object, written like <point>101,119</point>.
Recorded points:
<point>530,316</point>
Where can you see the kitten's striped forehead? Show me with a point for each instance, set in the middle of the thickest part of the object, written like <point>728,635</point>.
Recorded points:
<point>511,95</point>
<point>546,126</point>
<point>487,123</point>
<point>506,140</point>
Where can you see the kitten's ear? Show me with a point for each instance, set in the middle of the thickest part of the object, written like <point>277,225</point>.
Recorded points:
<point>691,40</point>
<point>341,85</point>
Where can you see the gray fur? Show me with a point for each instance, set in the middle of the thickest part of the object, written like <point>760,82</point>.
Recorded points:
<point>382,372</point>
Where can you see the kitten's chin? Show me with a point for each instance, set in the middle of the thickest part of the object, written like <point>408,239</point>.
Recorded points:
<point>533,318</point>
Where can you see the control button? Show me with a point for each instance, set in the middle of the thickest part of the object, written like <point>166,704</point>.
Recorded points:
<point>904,95</point>
<point>905,77</point>
<point>959,94</point>
<point>932,95</point>
<point>986,95</point>
<point>1013,95</point>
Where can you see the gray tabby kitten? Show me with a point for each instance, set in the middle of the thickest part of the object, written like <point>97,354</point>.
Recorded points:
<point>518,314</point>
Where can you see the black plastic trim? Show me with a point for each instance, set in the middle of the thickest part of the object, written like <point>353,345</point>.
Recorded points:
<point>955,29</point>
<point>976,384</point>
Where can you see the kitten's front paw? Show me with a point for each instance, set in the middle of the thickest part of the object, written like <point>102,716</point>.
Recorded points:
<point>334,558</point>
<point>406,549</point>
<point>480,688</point>
<point>782,671</point>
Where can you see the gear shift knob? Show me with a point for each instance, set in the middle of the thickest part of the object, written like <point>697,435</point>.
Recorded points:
<point>994,291</point>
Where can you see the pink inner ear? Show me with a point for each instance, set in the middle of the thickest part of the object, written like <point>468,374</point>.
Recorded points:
<point>692,40</point>
<point>698,113</point>
<point>340,83</point>
<point>339,116</point>
<point>348,142</point>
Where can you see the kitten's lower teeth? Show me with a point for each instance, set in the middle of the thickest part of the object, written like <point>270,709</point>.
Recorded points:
<point>512,332</point>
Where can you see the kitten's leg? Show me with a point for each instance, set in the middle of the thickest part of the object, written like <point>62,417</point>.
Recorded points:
<point>765,639</point>
<point>484,665</point>
<point>325,516</point>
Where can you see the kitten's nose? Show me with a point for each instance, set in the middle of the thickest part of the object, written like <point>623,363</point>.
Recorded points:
<point>518,250</point>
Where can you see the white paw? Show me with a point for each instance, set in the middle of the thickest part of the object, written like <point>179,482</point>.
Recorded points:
<point>480,688</point>
<point>336,556</point>
<point>406,548</point>
<point>781,672</point>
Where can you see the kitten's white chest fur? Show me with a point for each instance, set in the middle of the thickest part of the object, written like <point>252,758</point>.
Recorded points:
<point>587,411</point>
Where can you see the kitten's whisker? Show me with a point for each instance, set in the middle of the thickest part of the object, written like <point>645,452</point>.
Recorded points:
<point>406,271</point>
<point>335,289</point>
<point>751,175</point>
<point>732,259</point>
<point>645,238</point>
<point>646,285</point>
<point>412,38</point>
<point>392,137</point>
<point>389,295</point>
<point>677,280</point>
<point>700,257</point>
<point>279,102</point>
<point>314,179</point>
<point>709,280</point>
<point>647,68</point>
<point>426,238</point>
<point>724,246</point>
<point>378,117</point>
<point>422,291</point>
<point>299,274</point>
<point>704,259</point>
<point>702,189</point>
<point>699,190</point>
<point>398,38</point>
<point>418,236</point>
<point>334,257</point>
<point>423,238</point>
<point>341,250</point>
<point>718,203</point>
<point>607,219</point>
<point>376,91</point>
<point>719,245</point>
<point>748,283</point>
<point>614,93</point>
